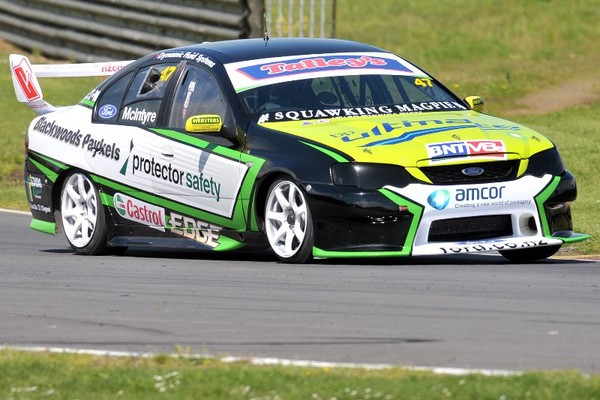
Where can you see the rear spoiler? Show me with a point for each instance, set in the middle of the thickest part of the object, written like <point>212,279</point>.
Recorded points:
<point>28,90</point>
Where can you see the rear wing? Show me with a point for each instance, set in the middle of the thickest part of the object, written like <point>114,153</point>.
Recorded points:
<point>28,90</point>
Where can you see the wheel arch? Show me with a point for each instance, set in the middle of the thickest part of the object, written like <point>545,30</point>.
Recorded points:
<point>57,190</point>
<point>262,191</point>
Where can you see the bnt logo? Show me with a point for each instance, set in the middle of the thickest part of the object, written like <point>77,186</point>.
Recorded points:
<point>466,148</point>
<point>25,79</point>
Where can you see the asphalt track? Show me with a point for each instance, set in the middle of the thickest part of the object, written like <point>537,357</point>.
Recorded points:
<point>462,312</point>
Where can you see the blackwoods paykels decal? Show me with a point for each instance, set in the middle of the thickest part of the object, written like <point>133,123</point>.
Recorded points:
<point>78,139</point>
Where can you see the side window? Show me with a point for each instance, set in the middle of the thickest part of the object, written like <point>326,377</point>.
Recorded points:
<point>198,93</point>
<point>145,94</point>
<point>110,100</point>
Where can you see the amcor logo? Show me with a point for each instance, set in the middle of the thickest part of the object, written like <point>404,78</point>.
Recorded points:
<point>140,211</point>
<point>439,199</point>
<point>483,193</point>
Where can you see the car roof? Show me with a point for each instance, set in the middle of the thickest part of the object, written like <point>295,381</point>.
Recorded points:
<point>229,51</point>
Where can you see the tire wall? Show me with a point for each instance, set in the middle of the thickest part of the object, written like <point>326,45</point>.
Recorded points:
<point>101,30</point>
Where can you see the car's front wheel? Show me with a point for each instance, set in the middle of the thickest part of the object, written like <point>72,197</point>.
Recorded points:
<point>288,222</point>
<point>83,215</point>
<point>530,255</point>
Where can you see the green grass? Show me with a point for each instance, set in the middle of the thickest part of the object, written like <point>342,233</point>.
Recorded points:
<point>26,375</point>
<point>576,132</point>
<point>500,50</point>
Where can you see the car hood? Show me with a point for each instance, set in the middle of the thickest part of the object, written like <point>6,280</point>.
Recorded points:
<point>420,139</point>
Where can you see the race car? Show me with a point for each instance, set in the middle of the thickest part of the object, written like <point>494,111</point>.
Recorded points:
<point>312,147</point>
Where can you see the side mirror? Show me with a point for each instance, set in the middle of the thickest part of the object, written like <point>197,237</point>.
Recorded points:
<point>475,103</point>
<point>205,123</point>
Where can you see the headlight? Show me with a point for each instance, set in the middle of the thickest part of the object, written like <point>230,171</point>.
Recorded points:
<point>546,162</point>
<point>370,176</point>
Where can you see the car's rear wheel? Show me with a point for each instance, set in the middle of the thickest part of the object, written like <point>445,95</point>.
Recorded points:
<point>288,222</point>
<point>530,255</point>
<point>83,215</point>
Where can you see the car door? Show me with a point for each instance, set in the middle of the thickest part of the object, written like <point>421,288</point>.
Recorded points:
<point>126,112</point>
<point>200,167</point>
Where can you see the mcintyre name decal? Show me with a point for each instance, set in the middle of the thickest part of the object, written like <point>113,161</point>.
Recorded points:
<point>77,139</point>
<point>136,115</point>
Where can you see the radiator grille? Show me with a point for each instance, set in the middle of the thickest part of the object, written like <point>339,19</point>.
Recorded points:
<point>492,172</point>
<point>470,228</point>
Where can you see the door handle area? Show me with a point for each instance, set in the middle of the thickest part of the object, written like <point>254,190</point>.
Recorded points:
<point>167,152</point>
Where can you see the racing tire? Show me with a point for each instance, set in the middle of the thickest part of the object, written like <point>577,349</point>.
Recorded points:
<point>288,222</point>
<point>530,255</point>
<point>82,215</point>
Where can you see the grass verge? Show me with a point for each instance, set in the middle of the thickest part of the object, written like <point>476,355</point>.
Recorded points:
<point>25,375</point>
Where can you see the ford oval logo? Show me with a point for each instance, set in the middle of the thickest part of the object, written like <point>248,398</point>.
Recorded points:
<point>107,111</point>
<point>473,171</point>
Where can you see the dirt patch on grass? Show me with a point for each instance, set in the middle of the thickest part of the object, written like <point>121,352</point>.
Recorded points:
<point>558,98</point>
<point>7,48</point>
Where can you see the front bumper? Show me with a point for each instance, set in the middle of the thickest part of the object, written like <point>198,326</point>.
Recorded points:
<point>439,219</point>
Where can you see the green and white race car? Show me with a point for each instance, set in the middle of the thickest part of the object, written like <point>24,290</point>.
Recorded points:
<point>314,147</point>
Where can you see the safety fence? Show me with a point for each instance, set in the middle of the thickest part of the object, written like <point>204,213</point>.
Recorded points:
<point>95,30</point>
<point>98,30</point>
<point>304,18</point>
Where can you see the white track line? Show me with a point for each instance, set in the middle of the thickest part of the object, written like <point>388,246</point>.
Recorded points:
<point>6,210</point>
<point>269,361</point>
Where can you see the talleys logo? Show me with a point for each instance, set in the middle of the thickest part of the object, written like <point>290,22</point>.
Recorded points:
<point>140,211</point>
<point>324,62</point>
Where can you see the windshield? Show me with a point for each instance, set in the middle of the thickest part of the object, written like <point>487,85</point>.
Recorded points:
<point>401,93</point>
<point>336,85</point>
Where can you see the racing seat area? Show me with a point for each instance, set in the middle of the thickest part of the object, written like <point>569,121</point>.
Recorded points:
<point>295,95</point>
<point>150,82</point>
